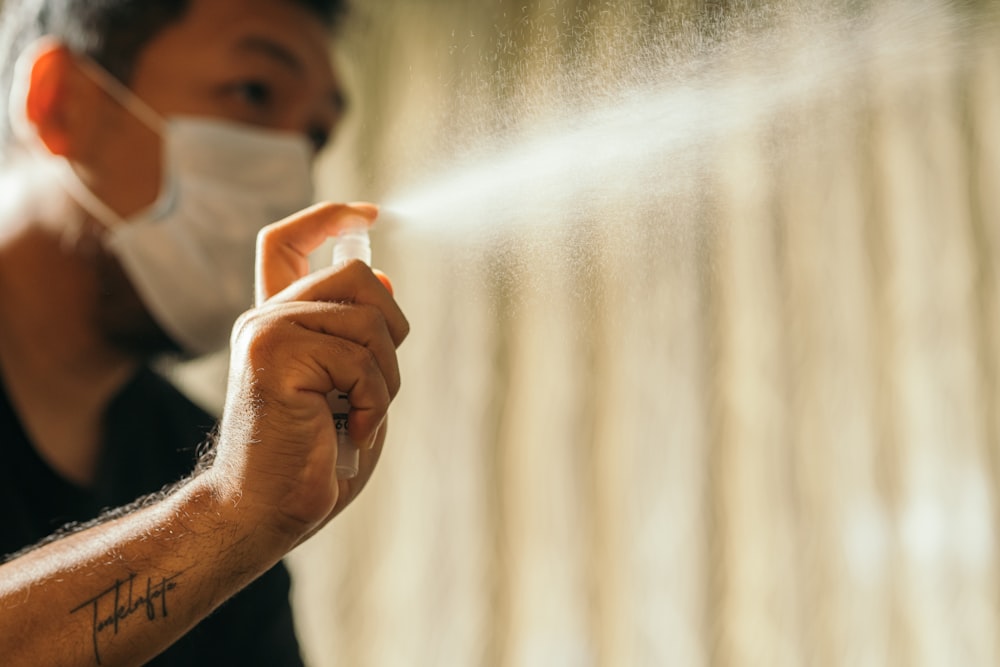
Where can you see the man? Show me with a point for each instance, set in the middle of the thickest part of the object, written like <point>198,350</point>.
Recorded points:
<point>147,142</point>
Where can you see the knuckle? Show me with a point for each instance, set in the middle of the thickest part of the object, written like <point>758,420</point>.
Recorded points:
<point>245,329</point>
<point>352,270</point>
<point>266,235</point>
<point>367,361</point>
<point>240,326</point>
<point>402,331</point>
<point>371,375</point>
<point>254,334</point>
<point>356,266</point>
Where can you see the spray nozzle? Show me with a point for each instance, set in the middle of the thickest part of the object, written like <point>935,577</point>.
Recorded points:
<point>352,243</point>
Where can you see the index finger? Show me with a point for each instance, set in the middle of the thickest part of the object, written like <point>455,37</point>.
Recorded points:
<point>283,248</point>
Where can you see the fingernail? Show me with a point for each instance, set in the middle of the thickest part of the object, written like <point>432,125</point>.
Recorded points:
<point>369,210</point>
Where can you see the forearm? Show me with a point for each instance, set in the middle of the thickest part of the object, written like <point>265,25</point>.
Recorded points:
<point>121,592</point>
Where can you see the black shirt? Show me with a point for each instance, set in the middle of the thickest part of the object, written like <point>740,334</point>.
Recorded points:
<point>153,437</point>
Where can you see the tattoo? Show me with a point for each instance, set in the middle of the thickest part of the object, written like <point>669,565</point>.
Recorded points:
<point>112,606</point>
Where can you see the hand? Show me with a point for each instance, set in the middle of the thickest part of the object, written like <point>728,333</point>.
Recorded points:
<point>309,335</point>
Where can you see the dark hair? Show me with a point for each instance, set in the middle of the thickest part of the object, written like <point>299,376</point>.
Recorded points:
<point>112,32</point>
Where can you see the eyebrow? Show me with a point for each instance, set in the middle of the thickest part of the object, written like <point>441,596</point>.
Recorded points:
<point>287,58</point>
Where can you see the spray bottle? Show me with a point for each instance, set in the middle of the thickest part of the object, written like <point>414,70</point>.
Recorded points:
<point>352,243</point>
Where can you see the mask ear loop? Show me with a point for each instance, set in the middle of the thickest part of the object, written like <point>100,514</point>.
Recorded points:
<point>148,116</point>
<point>122,94</point>
<point>105,80</point>
<point>65,173</point>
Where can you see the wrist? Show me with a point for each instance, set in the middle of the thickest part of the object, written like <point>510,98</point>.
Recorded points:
<point>244,528</point>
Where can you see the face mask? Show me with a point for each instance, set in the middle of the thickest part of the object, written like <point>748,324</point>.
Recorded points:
<point>190,255</point>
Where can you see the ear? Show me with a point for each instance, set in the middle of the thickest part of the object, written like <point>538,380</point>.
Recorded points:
<point>53,99</point>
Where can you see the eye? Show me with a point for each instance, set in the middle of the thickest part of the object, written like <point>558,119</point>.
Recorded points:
<point>255,93</point>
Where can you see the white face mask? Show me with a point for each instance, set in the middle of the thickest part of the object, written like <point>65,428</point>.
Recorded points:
<point>190,255</point>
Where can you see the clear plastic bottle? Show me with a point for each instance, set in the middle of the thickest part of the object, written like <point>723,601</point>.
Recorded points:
<point>352,243</point>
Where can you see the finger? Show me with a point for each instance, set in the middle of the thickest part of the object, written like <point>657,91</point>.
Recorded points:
<point>283,248</point>
<point>349,489</point>
<point>340,365</point>
<point>351,283</point>
<point>355,371</point>
<point>384,279</point>
<point>358,324</point>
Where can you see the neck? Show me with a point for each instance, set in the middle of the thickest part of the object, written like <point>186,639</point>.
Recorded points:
<point>59,371</point>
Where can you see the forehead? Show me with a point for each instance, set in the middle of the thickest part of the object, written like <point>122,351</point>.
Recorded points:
<point>214,33</point>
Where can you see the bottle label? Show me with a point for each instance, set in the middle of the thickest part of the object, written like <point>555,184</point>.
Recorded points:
<point>340,407</point>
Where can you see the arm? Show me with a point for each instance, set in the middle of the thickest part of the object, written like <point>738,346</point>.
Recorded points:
<point>120,592</point>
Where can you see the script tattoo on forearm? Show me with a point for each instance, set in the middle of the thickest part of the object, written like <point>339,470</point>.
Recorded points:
<point>114,605</point>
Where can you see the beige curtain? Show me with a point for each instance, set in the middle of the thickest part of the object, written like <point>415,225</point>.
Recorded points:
<point>704,366</point>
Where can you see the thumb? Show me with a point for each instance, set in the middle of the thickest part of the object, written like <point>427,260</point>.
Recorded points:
<point>283,247</point>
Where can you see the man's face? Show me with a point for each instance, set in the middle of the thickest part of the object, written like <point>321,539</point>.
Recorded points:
<point>260,62</point>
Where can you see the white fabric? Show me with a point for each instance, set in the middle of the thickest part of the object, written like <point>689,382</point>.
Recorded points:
<point>190,255</point>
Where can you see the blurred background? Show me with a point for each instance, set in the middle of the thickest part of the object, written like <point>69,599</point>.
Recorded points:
<point>705,353</point>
